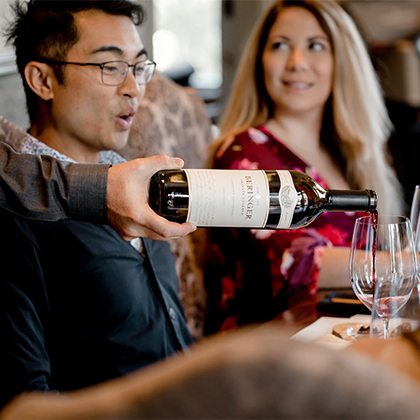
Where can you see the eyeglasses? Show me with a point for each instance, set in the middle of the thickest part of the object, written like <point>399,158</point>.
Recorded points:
<point>114,73</point>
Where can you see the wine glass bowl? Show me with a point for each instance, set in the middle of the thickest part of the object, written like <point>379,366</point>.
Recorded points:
<point>415,211</point>
<point>391,295</point>
<point>414,218</point>
<point>383,265</point>
<point>361,261</point>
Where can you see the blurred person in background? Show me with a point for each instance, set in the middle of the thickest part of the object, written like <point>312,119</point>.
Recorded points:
<point>305,98</point>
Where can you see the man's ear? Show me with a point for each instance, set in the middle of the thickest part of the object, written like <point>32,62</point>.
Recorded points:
<point>39,77</point>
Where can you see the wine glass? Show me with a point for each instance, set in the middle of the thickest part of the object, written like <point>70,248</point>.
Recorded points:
<point>414,216</point>
<point>383,265</point>
<point>414,307</point>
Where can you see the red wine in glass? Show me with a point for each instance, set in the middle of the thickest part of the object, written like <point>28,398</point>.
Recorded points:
<point>374,219</point>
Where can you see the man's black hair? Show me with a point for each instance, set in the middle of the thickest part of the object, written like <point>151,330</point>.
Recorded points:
<point>45,29</point>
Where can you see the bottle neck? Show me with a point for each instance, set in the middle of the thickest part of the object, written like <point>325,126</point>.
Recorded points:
<point>352,200</point>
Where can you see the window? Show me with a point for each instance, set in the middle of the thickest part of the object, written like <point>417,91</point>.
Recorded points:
<point>188,34</point>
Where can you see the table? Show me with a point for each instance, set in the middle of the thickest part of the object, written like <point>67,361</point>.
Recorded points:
<point>303,311</point>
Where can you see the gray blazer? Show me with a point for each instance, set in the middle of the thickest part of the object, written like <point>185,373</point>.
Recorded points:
<point>43,188</point>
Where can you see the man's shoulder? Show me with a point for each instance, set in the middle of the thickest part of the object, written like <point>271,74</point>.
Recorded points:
<point>11,133</point>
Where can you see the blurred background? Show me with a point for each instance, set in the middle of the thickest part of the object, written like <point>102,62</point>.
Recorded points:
<point>198,43</point>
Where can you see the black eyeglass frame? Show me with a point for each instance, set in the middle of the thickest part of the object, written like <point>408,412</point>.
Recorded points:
<point>102,66</point>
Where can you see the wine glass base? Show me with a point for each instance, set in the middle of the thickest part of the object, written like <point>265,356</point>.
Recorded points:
<point>357,331</point>
<point>397,327</point>
<point>350,332</point>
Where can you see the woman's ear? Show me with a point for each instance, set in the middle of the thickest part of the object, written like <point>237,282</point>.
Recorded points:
<point>39,77</point>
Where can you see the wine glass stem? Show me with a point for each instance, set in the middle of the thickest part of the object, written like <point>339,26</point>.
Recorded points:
<point>386,328</point>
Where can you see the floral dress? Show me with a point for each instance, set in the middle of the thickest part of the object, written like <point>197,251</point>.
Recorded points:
<point>253,275</point>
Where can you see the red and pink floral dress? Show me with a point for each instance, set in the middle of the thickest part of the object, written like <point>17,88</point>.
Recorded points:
<point>253,274</point>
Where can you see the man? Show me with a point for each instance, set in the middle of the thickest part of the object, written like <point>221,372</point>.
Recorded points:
<point>80,192</point>
<point>78,304</point>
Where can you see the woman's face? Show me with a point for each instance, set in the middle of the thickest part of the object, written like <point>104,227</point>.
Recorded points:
<point>298,63</point>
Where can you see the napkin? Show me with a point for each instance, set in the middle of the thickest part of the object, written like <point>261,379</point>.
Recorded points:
<point>320,331</point>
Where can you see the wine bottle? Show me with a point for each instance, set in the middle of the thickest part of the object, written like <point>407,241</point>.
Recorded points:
<point>259,199</point>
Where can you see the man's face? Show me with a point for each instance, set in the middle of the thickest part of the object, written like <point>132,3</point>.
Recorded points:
<point>87,115</point>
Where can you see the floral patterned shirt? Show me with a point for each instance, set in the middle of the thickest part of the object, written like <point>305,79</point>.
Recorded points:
<point>253,274</point>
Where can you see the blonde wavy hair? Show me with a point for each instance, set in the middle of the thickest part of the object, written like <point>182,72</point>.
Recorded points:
<point>356,121</point>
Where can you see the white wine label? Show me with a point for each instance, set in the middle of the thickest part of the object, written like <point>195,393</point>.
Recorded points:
<point>231,198</point>
<point>287,199</point>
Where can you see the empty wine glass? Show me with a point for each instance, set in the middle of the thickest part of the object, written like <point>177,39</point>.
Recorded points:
<point>414,216</point>
<point>383,264</point>
<point>413,308</point>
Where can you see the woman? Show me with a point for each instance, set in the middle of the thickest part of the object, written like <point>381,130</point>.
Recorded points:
<point>306,98</point>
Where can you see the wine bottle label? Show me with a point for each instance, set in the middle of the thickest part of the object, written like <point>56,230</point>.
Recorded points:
<point>287,199</point>
<point>231,198</point>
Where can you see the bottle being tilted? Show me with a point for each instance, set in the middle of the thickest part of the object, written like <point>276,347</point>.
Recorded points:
<point>258,199</point>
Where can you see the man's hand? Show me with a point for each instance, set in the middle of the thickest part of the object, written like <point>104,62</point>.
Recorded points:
<point>127,200</point>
